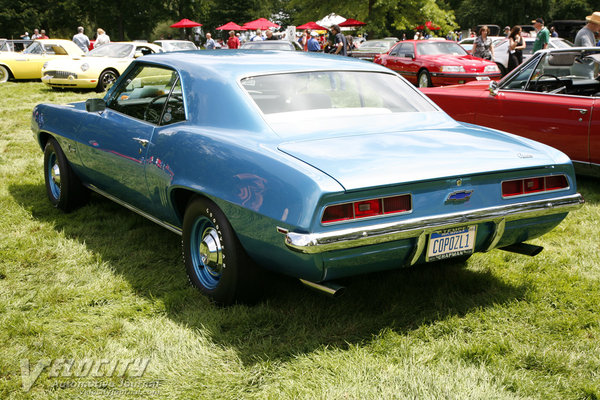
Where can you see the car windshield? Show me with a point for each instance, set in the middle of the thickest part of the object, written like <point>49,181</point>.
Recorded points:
<point>437,48</point>
<point>116,50</point>
<point>34,48</point>
<point>268,45</point>
<point>563,72</point>
<point>173,46</point>
<point>383,45</point>
<point>335,92</point>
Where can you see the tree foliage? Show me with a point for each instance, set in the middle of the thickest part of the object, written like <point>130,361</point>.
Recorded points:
<point>137,19</point>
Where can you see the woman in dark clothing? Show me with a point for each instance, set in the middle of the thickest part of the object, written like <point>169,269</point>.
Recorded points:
<point>516,44</point>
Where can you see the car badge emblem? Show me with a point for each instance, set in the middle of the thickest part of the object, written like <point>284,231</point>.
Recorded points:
<point>524,155</point>
<point>459,182</point>
<point>459,196</point>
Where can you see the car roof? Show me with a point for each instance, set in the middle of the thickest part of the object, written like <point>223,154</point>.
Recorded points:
<point>239,63</point>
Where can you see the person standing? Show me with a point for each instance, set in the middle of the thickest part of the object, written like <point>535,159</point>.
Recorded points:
<point>269,34</point>
<point>81,40</point>
<point>313,44</point>
<point>36,34</point>
<point>25,36</point>
<point>233,42</point>
<point>304,39</point>
<point>258,36</point>
<point>102,38</point>
<point>516,45</point>
<point>507,31</point>
<point>553,32</point>
<point>482,46</point>
<point>543,35</point>
<point>585,37</point>
<point>210,42</point>
<point>43,35</point>
<point>339,41</point>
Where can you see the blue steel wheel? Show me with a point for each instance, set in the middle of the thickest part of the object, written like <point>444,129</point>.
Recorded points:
<point>214,259</point>
<point>63,188</point>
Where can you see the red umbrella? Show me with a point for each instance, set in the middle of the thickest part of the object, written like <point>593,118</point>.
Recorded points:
<point>261,23</point>
<point>311,25</point>
<point>185,23</point>
<point>230,26</point>
<point>430,26</point>
<point>352,22</point>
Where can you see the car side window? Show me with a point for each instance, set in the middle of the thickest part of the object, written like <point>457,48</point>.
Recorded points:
<point>149,93</point>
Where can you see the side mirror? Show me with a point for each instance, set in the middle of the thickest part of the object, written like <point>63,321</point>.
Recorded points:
<point>95,105</point>
<point>494,88</point>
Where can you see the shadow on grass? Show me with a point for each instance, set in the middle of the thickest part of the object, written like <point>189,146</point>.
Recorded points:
<point>292,319</point>
<point>589,187</point>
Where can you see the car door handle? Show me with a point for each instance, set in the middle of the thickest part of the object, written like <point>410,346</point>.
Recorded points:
<point>582,111</point>
<point>141,141</point>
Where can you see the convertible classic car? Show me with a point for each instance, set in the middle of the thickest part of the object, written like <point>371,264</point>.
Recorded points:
<point>315,166</point>
<point>97,69</point>
<point>553,98</point>
<point>28,63</point>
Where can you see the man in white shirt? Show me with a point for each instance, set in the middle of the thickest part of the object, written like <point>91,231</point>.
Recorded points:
<point>81,40</point>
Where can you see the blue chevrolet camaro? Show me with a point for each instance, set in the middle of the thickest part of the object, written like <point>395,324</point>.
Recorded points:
<point>311,165</point>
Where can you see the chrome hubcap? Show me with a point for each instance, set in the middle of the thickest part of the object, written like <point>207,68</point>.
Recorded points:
<point>55,174</point>
<point>211,252</point>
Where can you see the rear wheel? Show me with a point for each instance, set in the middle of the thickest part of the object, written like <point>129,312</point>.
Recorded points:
<point>107,78</point>
<point>4,74</point>
<point>63,188</point>
<point>214,259</point>
<point>424,79</point>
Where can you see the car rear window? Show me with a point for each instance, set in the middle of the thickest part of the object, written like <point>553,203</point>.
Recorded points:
<point>371,92</point>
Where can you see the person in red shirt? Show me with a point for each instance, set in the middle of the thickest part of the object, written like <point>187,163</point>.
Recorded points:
<point>233,42</point>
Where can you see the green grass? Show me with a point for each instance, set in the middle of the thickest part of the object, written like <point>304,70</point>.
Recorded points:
<point>104,283</point>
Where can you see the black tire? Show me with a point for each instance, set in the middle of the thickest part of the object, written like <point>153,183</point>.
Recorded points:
<point>214,259</point>
<point>106,79</point>
<point>4,74</point>
<point>63,187</point>
<point>424,79</point>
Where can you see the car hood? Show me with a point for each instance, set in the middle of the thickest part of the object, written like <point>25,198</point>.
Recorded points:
<point>74,64</point>
<point>370,159</point>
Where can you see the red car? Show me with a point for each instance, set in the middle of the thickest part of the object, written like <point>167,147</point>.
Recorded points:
<point>436,63</point>
<point>553,98</point>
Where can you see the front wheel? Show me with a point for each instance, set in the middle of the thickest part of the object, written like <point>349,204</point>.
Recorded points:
<point>63,188</point>
<point>424,79</point>
<point>214,259</point>
<point>107,78</point>
<point>4,74</point>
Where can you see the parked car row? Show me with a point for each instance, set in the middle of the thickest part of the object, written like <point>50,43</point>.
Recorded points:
<point>61,64</point>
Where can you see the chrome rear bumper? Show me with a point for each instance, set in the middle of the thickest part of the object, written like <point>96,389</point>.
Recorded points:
<point>312,243</point>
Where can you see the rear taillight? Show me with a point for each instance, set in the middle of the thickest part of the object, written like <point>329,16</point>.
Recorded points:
<point>367,208</point>
<point>520,187</point>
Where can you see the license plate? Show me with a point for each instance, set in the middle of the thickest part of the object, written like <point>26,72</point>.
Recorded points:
<point>451,243</point>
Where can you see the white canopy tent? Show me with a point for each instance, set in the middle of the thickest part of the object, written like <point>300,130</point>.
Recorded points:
<point>330,20</point>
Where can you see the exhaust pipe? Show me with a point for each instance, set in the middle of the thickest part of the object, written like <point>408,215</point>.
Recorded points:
<point>523,248</point>
<point>329,288</point>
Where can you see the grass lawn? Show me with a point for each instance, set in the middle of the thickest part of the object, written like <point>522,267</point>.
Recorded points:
<point>96,304</point>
